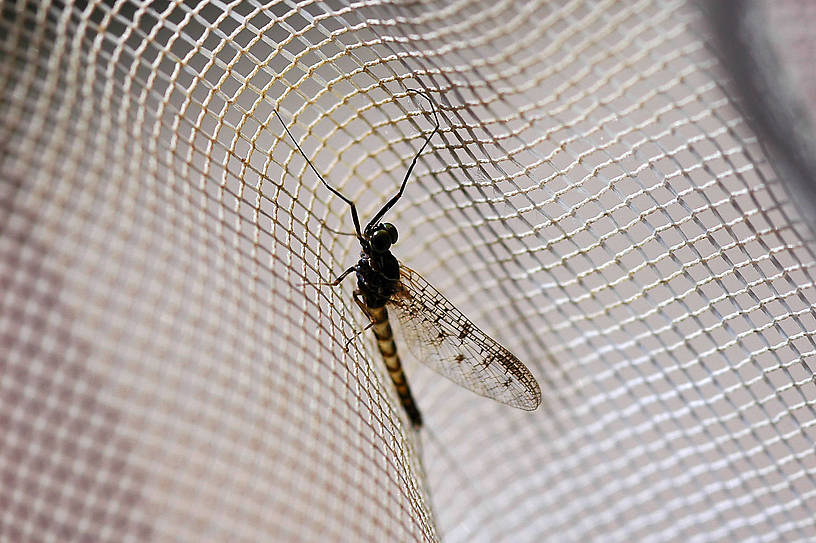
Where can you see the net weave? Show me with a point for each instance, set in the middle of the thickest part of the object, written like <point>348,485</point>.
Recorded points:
<point>595,200</point>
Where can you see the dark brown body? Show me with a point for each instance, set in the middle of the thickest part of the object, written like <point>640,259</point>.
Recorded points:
<point>388,349</point>
<point>377,280</point>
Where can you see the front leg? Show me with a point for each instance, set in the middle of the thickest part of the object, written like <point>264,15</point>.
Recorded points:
<point>332,283</point>
<point>343,276</point>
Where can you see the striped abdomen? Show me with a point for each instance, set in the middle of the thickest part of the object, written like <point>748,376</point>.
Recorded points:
<point>388,349</point>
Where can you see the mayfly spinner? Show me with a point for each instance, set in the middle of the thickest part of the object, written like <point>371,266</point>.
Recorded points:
<point>437,333</point>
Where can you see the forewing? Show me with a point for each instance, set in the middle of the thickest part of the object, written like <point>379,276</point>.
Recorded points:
<point>440,336</point>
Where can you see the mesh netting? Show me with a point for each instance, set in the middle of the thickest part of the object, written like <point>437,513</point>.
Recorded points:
<point>595,200</point>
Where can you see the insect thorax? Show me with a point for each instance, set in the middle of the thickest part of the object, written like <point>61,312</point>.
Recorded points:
<point>377,277</point>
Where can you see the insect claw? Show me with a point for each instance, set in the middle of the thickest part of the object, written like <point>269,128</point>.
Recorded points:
<point>357,333</point>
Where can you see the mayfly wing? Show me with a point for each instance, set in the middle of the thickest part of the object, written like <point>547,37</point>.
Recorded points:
<point>441,337</point>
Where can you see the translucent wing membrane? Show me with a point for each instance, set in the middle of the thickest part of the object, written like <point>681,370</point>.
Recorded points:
<point>440,336</point>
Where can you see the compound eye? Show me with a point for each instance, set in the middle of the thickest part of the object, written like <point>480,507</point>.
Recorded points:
<point>380,240</point>
<point>392,231</point>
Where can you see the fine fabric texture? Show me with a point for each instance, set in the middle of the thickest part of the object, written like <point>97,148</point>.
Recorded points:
<point>599,200</point>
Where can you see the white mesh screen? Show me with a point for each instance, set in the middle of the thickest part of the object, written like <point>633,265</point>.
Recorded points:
<point>595,200</point>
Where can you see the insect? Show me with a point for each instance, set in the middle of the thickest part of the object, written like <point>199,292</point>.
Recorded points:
<point>435,331</point>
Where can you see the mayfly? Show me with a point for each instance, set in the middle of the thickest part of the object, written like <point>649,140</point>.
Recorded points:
<point>435,331</point>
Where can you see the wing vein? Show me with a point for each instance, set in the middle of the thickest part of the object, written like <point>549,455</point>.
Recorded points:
<point>441,337</point>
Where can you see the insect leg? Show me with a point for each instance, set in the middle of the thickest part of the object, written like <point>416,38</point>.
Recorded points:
<point>356,296</point>
<point>342,276</point>
<point>357,333</point>
<point>332,283</point>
